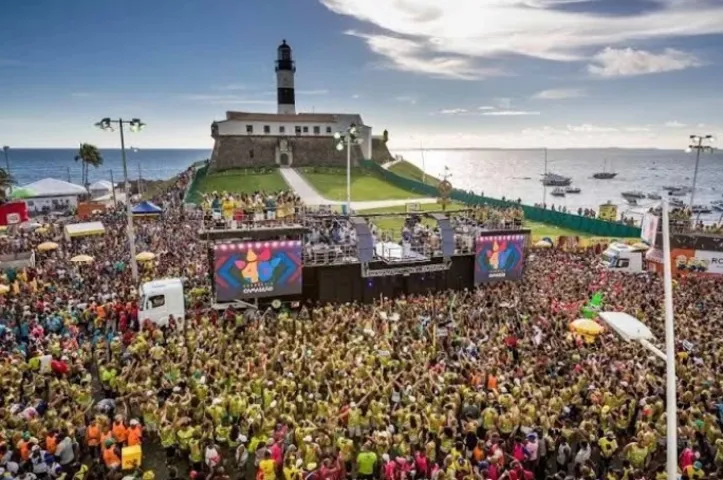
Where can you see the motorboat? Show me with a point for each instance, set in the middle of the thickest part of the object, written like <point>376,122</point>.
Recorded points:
<point>717,205</point>
<point>555,180</point>
<point>674,202</point>
<point>558,192</point>
<point>604,175</point>
<point>698,209</point>
<point>572,190</point>
<point>678,192</point>
<point>633,194</point>
<point>671,187</point>
<point>632,201</point>
<point>654,196</point>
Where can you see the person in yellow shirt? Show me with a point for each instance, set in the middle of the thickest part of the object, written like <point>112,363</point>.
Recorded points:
<point>694,472</point>
<point>267,467</point>
<point>608,446</point>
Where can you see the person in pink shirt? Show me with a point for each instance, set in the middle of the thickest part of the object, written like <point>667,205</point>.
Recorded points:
<point>421,464</point>
<point>277,453</point>
<point>389,468</point>
<point>686,458</point>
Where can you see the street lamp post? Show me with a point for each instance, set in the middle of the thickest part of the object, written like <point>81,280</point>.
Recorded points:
<point>631,329</point>
<point>135,125</point>
<point>6,149</point>
<point>347,138</point>
<point>697,144</point>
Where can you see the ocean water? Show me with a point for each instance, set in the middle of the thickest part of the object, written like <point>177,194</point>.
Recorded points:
<point>496,173</point>
<point>516,174</point>
<point>29,165</point>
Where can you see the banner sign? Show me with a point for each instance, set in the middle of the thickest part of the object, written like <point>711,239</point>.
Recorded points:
<point>257,269</point>
<point>499,257</point>
<point>649,228</point>
<point>608,211</point>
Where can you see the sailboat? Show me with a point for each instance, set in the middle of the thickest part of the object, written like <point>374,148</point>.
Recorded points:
<point>604,175</point>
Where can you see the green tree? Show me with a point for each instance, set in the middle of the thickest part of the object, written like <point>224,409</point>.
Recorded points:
<point>89,156</point>
<point>6,182</point>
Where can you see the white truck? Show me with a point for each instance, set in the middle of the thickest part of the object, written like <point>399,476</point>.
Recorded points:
<point>161,298</point>
<point>624,258</point>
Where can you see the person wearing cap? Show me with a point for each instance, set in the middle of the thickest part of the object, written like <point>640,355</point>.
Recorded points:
<point>134,433</point>
<point>694,472</point>
<point>37,459</point>
<point>111,457</point>
<point>608,447</point>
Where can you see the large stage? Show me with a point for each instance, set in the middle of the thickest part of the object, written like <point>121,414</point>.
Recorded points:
<point>265,264</point>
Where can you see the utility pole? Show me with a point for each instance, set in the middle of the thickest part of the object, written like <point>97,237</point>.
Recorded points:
<point>696,143</point>
<point>6,149</point>
<point>544,180</point>
<point>112,186</point>
<point>69,175</point>
<point>140,180</point>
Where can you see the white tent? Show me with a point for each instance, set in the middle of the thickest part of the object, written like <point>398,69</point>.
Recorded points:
<point>51,187</point>
<point>100,188</point>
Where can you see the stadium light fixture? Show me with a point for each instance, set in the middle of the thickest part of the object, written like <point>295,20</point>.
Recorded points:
<point>699,143</point>
<point>346,139</point>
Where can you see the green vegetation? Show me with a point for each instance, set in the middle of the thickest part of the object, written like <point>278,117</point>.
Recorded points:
<point>413,172</point>
<point>331,184</point>
<point>242,180</point>
<point>89,156</point>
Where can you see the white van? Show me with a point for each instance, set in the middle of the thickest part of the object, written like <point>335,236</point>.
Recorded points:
<point>623,258</point>
<point>161,298</point>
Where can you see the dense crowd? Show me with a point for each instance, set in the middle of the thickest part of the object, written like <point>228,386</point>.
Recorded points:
<point>332,392</point>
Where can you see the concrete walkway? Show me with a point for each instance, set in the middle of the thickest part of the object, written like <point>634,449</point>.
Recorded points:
<point>389,165</point>
<point>310,196</point>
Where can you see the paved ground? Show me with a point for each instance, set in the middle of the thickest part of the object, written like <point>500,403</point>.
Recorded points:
<point>311,197</point>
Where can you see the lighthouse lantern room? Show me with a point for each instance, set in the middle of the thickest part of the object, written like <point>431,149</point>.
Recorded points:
<point>285,70</point>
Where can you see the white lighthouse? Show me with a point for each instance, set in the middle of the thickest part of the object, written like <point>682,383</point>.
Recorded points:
<point>285,70</point>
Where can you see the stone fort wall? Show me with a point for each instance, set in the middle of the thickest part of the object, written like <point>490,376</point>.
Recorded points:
<point>249,151</point>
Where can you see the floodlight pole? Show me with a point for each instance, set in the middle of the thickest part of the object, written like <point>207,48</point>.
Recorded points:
<point>129,210</point>
<point>696,143</point>
<point>348,175</point>
<point>105,124</point>
<point>671,404</point>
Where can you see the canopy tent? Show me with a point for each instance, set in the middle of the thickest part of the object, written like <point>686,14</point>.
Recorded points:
<point>100,188</point>
<point>147,208</point>
<point>51,187</point>
<point>85,229</point>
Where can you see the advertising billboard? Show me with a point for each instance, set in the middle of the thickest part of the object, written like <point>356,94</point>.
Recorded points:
<point>499,257</point>
<point>697,261</point>
<point>649,228</point>
<point>257,269</point>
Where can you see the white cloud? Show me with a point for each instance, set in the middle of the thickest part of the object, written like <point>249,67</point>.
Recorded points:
<point>559,94</point>
<point>452,42</point>
<point>486,107</point>
<point>230,87</point>
<point>225,99</point>
<point>410,99</point>
<point>511,113</point>
<point>453,111</point>
<point>355,96</point>
<point>589,128</point>
<point>313,92</point>
<point>628,62</point>
<point>637,129</point>
<point>675,124</point>
<point>410,56</point>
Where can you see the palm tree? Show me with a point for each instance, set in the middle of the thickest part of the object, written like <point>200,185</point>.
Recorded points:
<point>88,155</point>
<point>6,182</point>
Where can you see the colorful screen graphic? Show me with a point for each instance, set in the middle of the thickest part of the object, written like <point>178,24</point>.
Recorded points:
<point>499,257</point>
<point>257,269</point>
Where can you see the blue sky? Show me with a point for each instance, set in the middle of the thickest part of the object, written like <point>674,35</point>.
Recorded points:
<point>495,73</point>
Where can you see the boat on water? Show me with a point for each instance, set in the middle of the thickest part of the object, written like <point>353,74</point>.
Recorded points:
<point>717,205</point>
<point>572,190</point>
<point>678,192</point>
<point>654,196</point>
<point>604,175</point>
<point>698,209</point>
<point>674,202</point>
<point>633,194</point>
<point>632,201</point>
<point>555,180</point>
<point>558,192</point>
